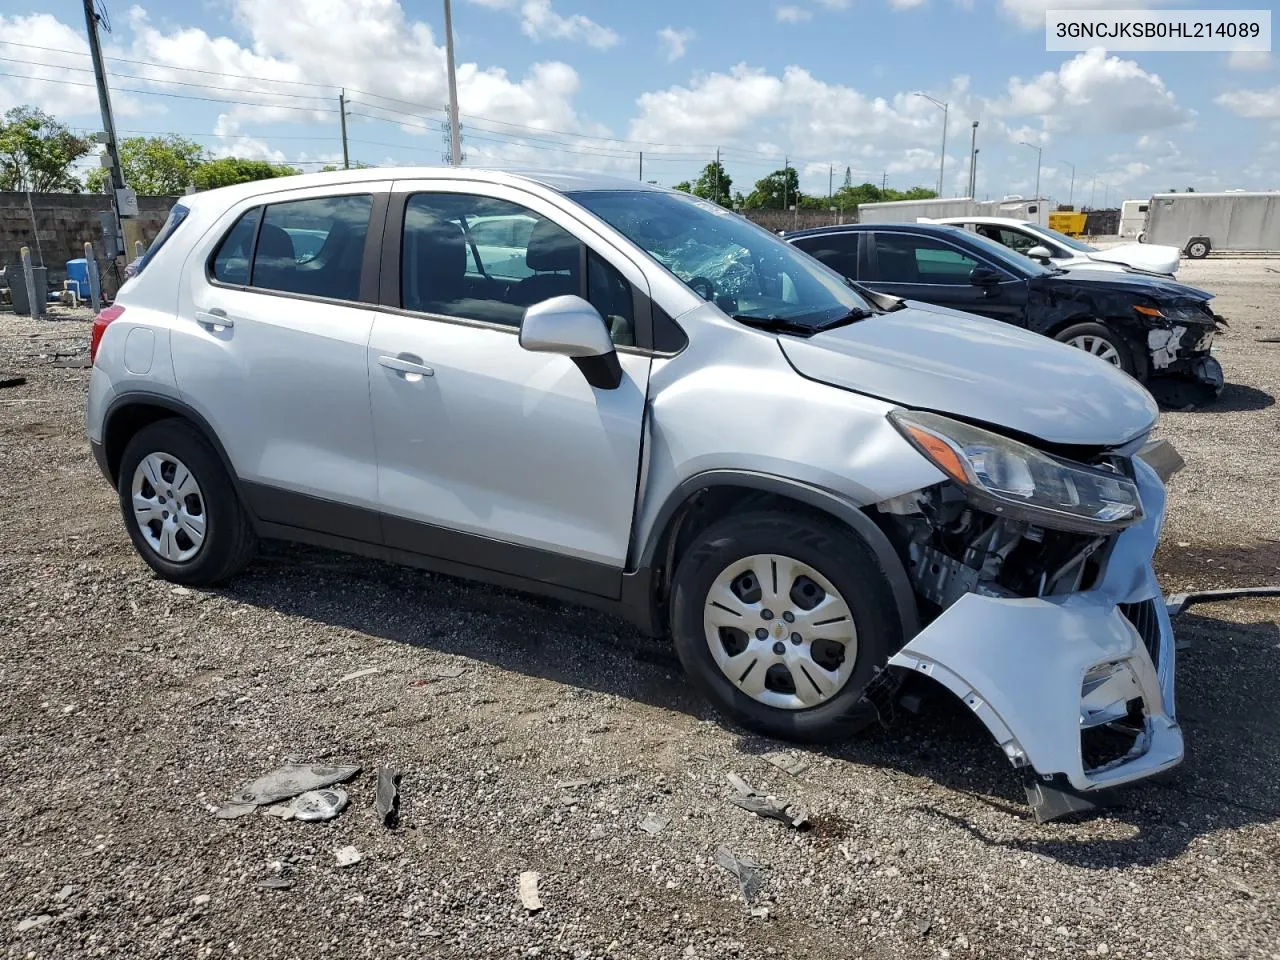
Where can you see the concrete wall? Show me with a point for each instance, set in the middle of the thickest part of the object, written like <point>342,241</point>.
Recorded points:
<point>799,220</point>
<point>63,222</point>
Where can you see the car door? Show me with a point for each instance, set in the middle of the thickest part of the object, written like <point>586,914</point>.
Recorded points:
<point>275,309</point>
<point>490,455</point>
<point>839,251</point>
<point>934,270</point>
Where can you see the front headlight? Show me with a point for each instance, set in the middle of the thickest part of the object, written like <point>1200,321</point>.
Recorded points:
<point>1015,480</point>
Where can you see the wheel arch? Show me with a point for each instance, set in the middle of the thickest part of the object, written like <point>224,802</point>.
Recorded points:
<point>132,411</point>
<point>706,497</point>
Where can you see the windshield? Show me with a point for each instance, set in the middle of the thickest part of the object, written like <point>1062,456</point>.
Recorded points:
<point>1010,258</point>
<point>1066,241</point>
<point>745,270</point>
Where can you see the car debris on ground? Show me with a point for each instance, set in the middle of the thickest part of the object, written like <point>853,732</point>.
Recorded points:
<point>386,797</point>
<point>283,783</point>
<point>529,891</point>
<point>366,672</point>
<point>749,798</point>
<point>748,872</point>
<point>347,856</point>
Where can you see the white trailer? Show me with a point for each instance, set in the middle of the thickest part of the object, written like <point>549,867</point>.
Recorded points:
<point>909,211</point>
<point>1197,223</point>
<point>1133,218</point>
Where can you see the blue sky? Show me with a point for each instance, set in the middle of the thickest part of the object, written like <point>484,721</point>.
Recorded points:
<point>590,84</point>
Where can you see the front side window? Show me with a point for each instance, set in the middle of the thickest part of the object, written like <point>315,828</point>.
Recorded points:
<point>313,247</point>
<point>1070,242</point>
<point>904,258</point>
<point>745,270</point>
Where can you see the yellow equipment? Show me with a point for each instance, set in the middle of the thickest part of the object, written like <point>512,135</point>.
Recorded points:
<point>1072,224</point>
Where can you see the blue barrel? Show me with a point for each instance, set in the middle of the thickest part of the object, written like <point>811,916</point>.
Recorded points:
<point>78,270</point>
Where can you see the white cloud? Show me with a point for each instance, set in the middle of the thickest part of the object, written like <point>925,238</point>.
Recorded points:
<point>1093,92</point>
<point>1249,60</point>
<point>790,13</point>
<point>836,4</point>
<point>1030,13</point>
<point>540,21</point>
<point>905,4</point>
<point>59,83</point>
<point>1254,104</point>
<point>674,42</point>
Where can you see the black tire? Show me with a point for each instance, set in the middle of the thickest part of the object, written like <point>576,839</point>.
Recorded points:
<point>1198,248</point>
<point>229,542</point>
<point>1101,331</point>
<point>835,553</point>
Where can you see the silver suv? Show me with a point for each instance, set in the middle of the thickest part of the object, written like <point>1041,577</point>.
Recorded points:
<point>636,400</point>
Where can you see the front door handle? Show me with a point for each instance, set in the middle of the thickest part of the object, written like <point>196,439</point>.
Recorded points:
<point>407,365</point>
<point>215,319</point>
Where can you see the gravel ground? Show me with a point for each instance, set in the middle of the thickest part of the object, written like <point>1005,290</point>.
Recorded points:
<point>132,708</point>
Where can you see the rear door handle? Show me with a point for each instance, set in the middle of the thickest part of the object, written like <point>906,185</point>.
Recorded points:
<point>215,319</point>
<point>407,365</point>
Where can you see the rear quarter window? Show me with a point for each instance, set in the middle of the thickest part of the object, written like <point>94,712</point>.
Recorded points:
<point>176,215</point>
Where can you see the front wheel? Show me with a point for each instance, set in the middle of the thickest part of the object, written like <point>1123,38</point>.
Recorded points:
<point>1101,341</point>
<point>783,620</point>
<point>180,507</point>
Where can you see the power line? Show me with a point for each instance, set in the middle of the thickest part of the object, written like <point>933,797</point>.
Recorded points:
<point>176,96</point>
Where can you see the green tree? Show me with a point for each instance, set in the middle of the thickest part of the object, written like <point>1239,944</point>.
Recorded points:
<point>714,184</point>
<point>684,186</point>
<point>36,152</point>
<point>154,166</point>
<point>776,191</point>
<point>226,171</point>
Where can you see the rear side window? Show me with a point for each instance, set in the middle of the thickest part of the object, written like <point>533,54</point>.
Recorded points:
<point>231,262</point>
<point>313,247</point>
<point>914,259</point>
<point>171,225</point>
<point>839,252</point>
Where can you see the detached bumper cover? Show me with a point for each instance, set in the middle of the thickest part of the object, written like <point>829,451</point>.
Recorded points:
<point>1020,664</point>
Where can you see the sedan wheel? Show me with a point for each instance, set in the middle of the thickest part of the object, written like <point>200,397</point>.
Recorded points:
<point>1100,348</point>
<point>169,507</point>
<point>780,632</point>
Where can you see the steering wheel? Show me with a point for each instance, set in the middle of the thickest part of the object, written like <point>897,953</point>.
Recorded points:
<point>702,287</point>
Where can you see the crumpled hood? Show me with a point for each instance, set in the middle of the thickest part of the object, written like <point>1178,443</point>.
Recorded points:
<point>1143,256</point>
<point>931,358</point>
<point>1137,284</point>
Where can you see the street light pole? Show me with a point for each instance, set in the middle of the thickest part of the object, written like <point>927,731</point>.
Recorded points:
<point>973,160</point>
<point>1039,151</point>
<point>942,163</point>
<point>455,134</point>
<point>1072,192</point>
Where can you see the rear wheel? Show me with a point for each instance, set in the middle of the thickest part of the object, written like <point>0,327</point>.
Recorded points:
<point>1102,342</point>
<point>1198,249</point>
<point>180,507</point>
<point>783,620</point>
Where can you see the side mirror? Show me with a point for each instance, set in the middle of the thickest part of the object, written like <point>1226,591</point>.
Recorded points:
<point>1040,252</point>
<point>984,277</point>
<point>573,328</point>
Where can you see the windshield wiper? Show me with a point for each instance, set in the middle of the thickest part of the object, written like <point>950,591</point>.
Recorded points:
<point>774,322</point>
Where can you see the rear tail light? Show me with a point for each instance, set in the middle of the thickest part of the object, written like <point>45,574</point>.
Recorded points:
<point>100,323</point>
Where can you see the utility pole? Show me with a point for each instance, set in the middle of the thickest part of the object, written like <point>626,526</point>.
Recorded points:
<point>108,125</point>
<point>342,113</point>
<point>786,170</point>
<point>973,160</point>
<point>1093,191</point>
<point>717,175</point>
<point>642,165</point>
<point>831,182</point>
<point>455,129</point>
<point>884,181</point>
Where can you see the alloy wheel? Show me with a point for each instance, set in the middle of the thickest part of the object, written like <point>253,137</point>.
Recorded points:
<point>780,631</point>
<point>169,507</point>
<point>1099,347</point>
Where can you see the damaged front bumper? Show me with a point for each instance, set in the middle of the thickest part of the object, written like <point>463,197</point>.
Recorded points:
<point>1077,689</point>
<point>1183,347</point>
